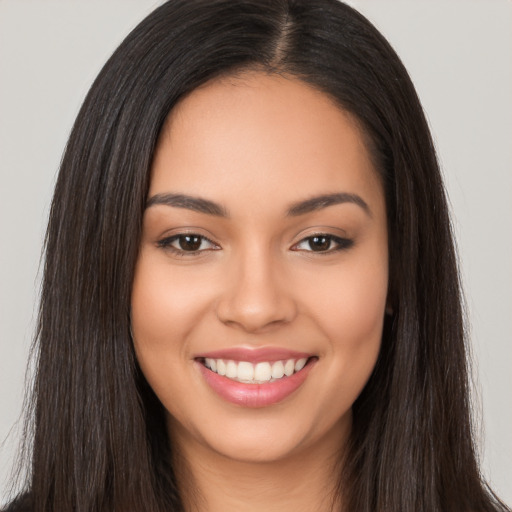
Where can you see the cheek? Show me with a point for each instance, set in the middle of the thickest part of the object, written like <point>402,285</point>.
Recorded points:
<point>350,312</point>
<point>350,301</point>
<point>165,305</point>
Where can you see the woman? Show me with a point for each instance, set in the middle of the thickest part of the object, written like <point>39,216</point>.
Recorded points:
<point>248,184</point>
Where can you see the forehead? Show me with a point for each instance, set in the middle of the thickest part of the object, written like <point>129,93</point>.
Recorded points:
<point>267,135</point>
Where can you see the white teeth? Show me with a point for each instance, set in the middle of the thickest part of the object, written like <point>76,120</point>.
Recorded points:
<point>221,367</point>
<point>263,372</point>
<point>231,370</point>
<point>211,363</point>
<point>277,370</point>
<point>258,373</point>
<point>289,367</point>
<point>245,371</point>
<point>300,364</point>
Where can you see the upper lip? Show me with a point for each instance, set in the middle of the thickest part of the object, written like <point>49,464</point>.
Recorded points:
<point>254,355</point>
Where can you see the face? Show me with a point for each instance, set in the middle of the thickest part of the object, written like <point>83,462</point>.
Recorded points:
<point>260,289</point>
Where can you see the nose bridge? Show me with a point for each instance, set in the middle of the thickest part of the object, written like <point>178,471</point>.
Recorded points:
<point>255,295</point>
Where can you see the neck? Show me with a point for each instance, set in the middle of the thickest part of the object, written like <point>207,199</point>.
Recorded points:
<point>306,480</point>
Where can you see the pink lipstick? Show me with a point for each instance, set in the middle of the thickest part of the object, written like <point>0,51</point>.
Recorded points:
<point>255,377</point>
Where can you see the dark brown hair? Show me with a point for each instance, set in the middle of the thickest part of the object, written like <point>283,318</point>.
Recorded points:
<point>99,438</point>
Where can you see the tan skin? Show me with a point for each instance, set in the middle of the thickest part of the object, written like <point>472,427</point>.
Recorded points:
<point>255,145</point>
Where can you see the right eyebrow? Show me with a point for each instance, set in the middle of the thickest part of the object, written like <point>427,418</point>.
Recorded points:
<point>197,204</point>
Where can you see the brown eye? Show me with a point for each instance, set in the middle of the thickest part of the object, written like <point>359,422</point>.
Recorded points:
<point>320,243</point>
<point>189,242</point>
<point>323,243</point>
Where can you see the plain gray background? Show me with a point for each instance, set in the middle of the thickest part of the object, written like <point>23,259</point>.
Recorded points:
<point>459,54</point>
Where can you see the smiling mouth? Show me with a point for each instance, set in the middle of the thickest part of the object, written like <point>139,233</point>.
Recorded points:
<point>262,372</point>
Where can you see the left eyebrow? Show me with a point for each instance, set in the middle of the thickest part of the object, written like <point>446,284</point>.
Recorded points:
<point>323,201</point>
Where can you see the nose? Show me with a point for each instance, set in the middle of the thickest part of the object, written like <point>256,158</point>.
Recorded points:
<point>256,296</point>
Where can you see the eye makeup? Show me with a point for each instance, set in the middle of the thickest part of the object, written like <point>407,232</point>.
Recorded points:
<point>193,244</point>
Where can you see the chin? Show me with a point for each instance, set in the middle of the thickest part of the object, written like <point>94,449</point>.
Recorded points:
<point>263,436</point>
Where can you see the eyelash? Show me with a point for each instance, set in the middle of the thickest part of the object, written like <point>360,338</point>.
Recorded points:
<point>341,244</point>
<point>166,244</point>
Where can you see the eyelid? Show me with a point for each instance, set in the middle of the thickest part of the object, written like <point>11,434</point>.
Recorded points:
<point>342,243</point>
<point>166,244</point>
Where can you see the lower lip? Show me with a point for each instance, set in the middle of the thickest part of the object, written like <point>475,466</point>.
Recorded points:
<point>255,395</point>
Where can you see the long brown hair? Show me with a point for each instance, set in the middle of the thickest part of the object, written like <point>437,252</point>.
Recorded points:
<point>99,435</point>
